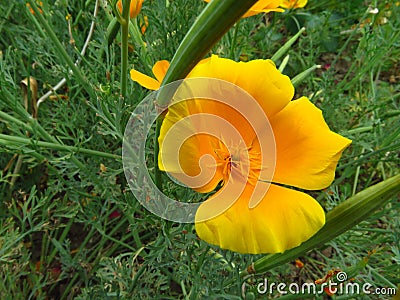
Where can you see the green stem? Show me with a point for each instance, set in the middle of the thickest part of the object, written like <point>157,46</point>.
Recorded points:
<point>7,15</point>
<point>61,50</point>
<point>14,121</point>
<point>15,140</point>
<point>124,46</point>
<point>233,42</point>
<point>16,171</point>
<point>136,34</point>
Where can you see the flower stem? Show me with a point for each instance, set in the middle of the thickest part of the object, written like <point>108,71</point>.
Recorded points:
<point>233,42</point>
<point>18,141</point>
<point>137,37</point>
<point>124,46</point>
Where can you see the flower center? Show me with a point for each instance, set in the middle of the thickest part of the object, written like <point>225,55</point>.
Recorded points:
<point>238,160</point>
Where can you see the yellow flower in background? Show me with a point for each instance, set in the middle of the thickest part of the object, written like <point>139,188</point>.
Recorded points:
<point>134,8</point>
<point>307,152</point>
<point>293,3</point>
<point>159,70</point>
<point>262,6</point>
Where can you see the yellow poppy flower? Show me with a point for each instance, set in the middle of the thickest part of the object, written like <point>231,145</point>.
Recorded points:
<point>262,6</point>
<point>293,3</point>
<point>134,8</point>
<point>305,156</point>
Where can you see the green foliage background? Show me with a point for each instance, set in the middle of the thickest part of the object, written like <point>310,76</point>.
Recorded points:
<point>70,227</point>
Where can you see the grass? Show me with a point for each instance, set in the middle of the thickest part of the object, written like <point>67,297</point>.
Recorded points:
<point>70,227</point>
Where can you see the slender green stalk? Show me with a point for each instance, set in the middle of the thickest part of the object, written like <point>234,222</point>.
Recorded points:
<point>136,34</point>
<point>234,39</point>
<point>7,15</point>
<point>61,49</point>
<point>137,38</point>
<point>124,46</point>
<point>14,121</point>
<point>15,105</point>
<point>18,141</point>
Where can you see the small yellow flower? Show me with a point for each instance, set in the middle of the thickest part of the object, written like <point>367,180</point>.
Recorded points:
<point>134,9</point>
<point>262,6</point>
<point>293,3</point>
<point>159,70</point>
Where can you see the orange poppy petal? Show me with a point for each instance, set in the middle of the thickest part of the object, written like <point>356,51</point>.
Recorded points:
<point>282,220</point>
<point>262,80</point>
<point>160,68</point>
<point>307,150</point>
<point>144,80</point>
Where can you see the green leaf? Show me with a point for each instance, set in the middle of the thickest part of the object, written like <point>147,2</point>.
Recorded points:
<point>340,219</point>
<point>285,48</point>
<point>299,78</point>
